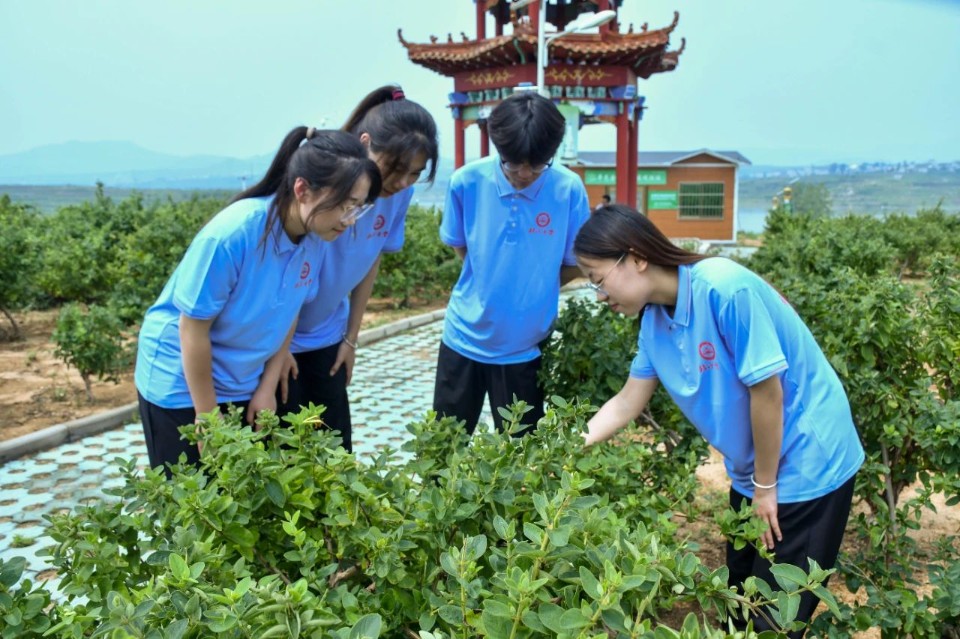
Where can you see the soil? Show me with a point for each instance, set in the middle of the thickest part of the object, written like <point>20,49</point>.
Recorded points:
<point>38,390</point>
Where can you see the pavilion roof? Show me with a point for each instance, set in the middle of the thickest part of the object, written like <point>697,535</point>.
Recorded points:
<point>645,51</point>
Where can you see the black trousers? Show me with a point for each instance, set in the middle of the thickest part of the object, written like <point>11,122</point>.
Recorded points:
<point>462,384</point>
<point>161,431</point>
<point>315,384</point>
<point>811,529</point>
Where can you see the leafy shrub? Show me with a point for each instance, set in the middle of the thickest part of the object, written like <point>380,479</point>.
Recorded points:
<point>281,533</point>
<point>426,268</point>
<point>93,342</point>
<point>22,609</point>
<point>19,229</point>
<point>145,259</point>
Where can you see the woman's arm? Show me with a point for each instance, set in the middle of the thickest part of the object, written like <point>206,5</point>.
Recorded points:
<point>197,355</point>
<point>359,296</point>
<point>620,409</point>
<point>275,373</point>
<point>766,423</point>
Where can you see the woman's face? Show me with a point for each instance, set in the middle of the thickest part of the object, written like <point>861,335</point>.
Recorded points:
<point>331,221</point>
<point>623,284</point>
<point>395,179</point>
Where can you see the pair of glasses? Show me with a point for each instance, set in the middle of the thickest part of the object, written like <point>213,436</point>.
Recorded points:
<point>514,167</point>
<point>352,213</point>
<point>598,287</point>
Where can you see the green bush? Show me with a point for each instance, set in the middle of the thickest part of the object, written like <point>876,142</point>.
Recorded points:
<point>426,268</point>
<point>22,609</point>
<point>282,534</point>
<point>144,259</point>
<point>19,231</point>
<point>93,342</point>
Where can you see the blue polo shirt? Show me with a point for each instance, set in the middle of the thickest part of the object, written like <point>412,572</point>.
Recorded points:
<point>253,293</point>
<point>346,262</point>
<point>729,331</point>
<point>506,298</point>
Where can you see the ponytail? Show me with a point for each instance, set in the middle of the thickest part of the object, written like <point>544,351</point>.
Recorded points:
<point>399,129</point>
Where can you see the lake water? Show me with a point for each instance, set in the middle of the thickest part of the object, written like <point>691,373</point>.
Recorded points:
<point>751,220</point>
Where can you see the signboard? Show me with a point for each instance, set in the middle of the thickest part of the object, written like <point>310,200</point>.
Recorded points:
<point>608,177</point>
<point>660,200</point>
<point>571,136</point>
<point>646,177</point>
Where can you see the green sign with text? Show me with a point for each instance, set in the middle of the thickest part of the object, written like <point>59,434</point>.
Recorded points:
<point>608,177</point>
<point>659,200</point>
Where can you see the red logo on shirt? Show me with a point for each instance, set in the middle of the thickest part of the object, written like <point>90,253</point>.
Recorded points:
<point>707,351</point>
<point>543,219</point>
<point>305,270</point>
<point>378,224</point>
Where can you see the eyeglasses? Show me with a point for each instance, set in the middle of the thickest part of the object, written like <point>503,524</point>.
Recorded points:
<point>514,167</point>
<point>352,213</point>
<point>598,287</point>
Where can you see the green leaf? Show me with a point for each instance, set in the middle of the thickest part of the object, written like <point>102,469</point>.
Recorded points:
<point>591,585</point>
<point>453,615</point>
<point>275,492</point>
<point>475,547</point>
<point>367,628</point>
<point>496,627</point>
<point>179,567</point>
<point>788,576</point>
<point>550,615</point>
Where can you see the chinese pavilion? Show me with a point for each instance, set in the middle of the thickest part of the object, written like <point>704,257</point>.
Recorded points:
<point>592,77</point>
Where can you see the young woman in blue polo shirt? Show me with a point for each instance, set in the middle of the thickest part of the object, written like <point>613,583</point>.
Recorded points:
<point>745,370</point>
<point>231,303</point>
<point>401,137</point>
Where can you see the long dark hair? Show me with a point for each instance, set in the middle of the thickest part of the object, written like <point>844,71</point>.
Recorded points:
<point>399,129</point>
<point>325,159</point>
<point>615,229</point>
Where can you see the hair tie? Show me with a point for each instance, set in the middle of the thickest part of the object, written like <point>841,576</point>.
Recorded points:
<point>398,94</point>
<point>310,132</point>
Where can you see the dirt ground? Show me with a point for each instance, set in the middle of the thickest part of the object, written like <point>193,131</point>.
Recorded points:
<point>37,390</point>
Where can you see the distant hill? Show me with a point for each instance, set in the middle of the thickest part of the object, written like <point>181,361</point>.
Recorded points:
<point>126,165</point>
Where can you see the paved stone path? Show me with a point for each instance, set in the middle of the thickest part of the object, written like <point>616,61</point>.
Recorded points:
<point>392,386</point>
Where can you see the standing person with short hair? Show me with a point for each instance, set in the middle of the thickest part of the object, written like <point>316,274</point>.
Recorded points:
<point>231,303</point>
<point>512,219</point>
<point>747,373</point>
<point>401,137</point>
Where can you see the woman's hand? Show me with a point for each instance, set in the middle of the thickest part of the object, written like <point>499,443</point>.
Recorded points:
<point>288,369</point>
<point>765,507</point>
<point>264,398</point>
<point>346,356</point>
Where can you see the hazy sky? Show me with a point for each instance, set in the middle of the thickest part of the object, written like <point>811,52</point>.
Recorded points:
<point>779,80</point>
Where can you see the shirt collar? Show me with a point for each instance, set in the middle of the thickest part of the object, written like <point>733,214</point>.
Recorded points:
<point>504,188</point>
<point>280,240</point>
<point>681,313</point>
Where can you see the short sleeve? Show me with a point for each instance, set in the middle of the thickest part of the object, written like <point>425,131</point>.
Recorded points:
<point>396,236</point>
<point>207,275</point>
<point>579,212</point>
<point>451,223</point>
<point>749,332</point>
<point>641,366</point>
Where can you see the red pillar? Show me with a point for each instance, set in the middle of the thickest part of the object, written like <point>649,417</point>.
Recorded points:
<point>633,160</point>
<point>458,143</point>
<point>481,19</point>
<point>533,10</point>
<point>484,139</point>
<point>623,158</point>
<point>603,5</point>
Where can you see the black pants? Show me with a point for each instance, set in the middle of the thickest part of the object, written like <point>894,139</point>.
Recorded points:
<point>811,529</point>
<point>315,384</point>
<point>463,383</point>
<point>161,430</point>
